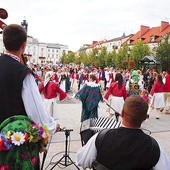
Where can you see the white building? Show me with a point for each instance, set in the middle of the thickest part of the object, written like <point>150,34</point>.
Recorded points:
<point>38,52</point>
<point>115,43</point>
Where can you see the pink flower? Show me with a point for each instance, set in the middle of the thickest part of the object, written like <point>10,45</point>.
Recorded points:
<point>34,160</point>
<point>4,167</point>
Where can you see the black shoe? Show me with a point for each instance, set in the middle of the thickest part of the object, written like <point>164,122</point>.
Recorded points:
<point>157,118</point>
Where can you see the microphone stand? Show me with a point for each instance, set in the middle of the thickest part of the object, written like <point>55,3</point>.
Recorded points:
<point>117,114</point>
<point>67,160</point>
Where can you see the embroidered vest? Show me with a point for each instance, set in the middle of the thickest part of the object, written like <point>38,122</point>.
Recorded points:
<point>127,149</point>
<point>12,74</point>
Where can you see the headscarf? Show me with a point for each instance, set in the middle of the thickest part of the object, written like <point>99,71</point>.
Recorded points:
<point>48,76</point>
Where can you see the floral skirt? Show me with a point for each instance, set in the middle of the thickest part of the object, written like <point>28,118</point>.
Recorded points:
<point>23,157</point>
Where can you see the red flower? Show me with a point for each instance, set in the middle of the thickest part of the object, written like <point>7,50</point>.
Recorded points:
<point>34,160</point>
<point>4,167</point>
<point>26,137</point>
<point>2,147</point>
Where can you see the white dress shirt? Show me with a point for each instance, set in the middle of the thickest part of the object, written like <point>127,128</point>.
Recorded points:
<point>34,105</point>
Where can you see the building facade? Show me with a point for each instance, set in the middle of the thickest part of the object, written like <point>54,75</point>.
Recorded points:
<point>41,53</point>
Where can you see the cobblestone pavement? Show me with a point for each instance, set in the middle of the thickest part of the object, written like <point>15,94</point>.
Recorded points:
<point>67,114</point>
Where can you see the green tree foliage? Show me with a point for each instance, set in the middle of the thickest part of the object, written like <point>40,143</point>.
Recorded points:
<point>71,57</point>
<point>110,59</point>
<point>63,58</point>
<point>84,58</point>
<point>119,58</point>
<point>102,57</point>
<point>138,51</point>
<point>163,52</point>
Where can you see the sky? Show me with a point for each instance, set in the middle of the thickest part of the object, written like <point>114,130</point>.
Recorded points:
<point>78,22</point>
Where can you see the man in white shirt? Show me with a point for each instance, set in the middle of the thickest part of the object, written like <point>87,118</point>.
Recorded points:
<point>19,94</point>
<point>127,147</point>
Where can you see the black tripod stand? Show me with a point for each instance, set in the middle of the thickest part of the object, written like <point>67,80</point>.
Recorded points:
<point>65,160</point>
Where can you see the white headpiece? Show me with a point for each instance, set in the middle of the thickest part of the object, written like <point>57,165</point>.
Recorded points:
<point>48,76</point>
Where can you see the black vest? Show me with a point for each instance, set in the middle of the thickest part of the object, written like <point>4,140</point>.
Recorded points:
<point>127,149</point>
<point>12,74</point>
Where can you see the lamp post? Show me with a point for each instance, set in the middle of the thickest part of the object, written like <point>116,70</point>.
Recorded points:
<point>24,24</point>
<point>128,52</point>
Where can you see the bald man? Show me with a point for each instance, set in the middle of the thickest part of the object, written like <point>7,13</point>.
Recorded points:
<point>127,147</point>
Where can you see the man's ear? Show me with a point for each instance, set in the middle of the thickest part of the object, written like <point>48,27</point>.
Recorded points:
<point>146,116</point>
<point>23,46</point>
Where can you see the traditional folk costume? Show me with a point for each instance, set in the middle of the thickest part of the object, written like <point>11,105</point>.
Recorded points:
<point>75,79</point>
<point>132,85</point>
<point>167,94</point>
<point>19,99</point>
<point>21,140</point>
<point>62,81</point>
<point>102,80</point>
<point>116,97</point>
<point>50,90</point>
<point>158,101</point>
<point>109,80</point>
<point>68,82</point>
<point>83,79</point>
<point>123,149</point>
<point>90,96</point>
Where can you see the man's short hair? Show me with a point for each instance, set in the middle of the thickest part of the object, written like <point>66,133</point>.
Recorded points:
<point>135,110</point>
<point>13,37</point>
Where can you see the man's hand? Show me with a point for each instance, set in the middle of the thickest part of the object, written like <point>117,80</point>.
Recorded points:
<point>57,128</point>
<point>68,97</point>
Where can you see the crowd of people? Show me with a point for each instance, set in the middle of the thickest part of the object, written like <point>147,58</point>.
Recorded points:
<point>26,119</point>
<point>114,84</point>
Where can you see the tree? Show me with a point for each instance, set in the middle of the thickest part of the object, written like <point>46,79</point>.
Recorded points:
<point>63,58</point>
<point>138,51</point>
<point>163,52</point>
<point>110,59</point>
<point>102,57</point>
<point>120,58</point>
<point>84,58</point>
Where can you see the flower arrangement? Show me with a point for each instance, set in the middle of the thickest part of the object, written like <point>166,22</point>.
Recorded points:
<point>33,133</point>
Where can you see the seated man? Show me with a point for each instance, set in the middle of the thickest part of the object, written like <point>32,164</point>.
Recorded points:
<point>127,147</point>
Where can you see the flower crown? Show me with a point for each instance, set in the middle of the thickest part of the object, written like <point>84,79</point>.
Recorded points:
<point>32,133</point>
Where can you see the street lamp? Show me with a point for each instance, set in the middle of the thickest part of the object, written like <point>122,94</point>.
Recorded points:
<point>24,24</point>
<point>128,55</point>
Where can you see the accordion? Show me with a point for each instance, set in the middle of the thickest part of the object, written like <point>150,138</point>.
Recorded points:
<point>91,126</point>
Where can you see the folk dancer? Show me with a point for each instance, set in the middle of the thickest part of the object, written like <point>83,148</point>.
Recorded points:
<point>157,92</point>
<point>90,96</point>
<point>50,91</point>
<point>116,95</point>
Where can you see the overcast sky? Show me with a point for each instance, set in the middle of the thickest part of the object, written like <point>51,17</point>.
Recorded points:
<point>78,22</point>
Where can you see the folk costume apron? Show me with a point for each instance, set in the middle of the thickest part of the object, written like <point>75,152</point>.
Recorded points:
<point>21,140</point>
